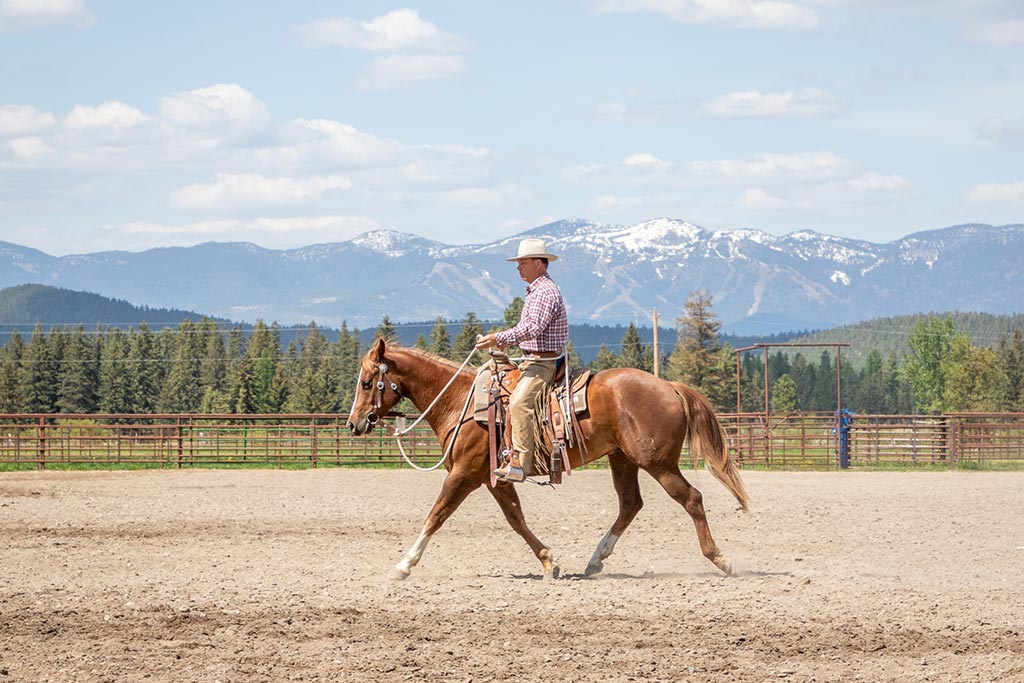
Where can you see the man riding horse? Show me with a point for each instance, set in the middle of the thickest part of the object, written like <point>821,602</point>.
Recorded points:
<point>542,333</point>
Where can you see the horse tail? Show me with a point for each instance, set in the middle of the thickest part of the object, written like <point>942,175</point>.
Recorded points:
<point>708,441</point>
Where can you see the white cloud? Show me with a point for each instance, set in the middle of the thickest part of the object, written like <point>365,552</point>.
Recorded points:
<point>757,199</point>
<point>784,167</point>
<point>763,14</point>
<point>269,232</point>
<point>1008,132</point>
<point>738,190</point>
<point>16,120</point>
<point>397,72</point>
<point>218,106</point>
<point>246,192</point>
<point>805,103</point>
<point>25,15</point>
<point>637,169</point>
<point>319,143</point>
<point>33,150</point>
<point>401,30</point>
<point>486,198</point>
<point>111,115</point>
<point>997,193</point>
<point>997,33</point>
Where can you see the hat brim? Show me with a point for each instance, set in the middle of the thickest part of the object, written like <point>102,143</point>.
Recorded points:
<point>549,257</point>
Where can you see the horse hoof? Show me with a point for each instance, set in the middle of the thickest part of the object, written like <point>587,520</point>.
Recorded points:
<point>593,568</point>
<point>397,574</point>
<point>725,565</point>
<point>552,573</point>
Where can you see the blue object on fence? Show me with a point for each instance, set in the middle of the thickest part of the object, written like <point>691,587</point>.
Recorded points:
<point>845,422</point>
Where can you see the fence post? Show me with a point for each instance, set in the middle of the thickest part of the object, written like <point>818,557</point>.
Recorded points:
<point>41,463</point>
<point>954,440</point>
<point>180,445</point>
<point>312,433</point>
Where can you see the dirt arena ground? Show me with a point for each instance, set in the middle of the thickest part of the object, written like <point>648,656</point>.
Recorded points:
<point>280,576</point>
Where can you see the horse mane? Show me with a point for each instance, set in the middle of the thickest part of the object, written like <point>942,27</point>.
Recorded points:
<point>393,344</point>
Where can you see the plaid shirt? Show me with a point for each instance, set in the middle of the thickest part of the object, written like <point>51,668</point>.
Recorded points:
<point>544,324</point>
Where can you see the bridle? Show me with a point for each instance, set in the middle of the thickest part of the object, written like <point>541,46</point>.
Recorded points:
<point>378,399</point>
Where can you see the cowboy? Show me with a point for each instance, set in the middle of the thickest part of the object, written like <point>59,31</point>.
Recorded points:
<point>542,333</point>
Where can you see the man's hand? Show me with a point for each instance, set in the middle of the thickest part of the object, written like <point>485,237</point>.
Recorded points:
<point>486,341</point>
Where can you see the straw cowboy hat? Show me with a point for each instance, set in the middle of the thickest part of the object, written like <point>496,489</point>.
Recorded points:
<point>531,247</point>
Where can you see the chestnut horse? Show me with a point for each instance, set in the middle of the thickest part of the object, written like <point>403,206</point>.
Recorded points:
<point>637,421</point>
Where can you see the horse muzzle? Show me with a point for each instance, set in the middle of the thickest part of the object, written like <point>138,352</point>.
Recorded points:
<point>363,425</point>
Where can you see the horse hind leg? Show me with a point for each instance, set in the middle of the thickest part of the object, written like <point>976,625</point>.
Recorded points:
<point>672,480</point>
<point>627,487</point>
<point>508,501</point>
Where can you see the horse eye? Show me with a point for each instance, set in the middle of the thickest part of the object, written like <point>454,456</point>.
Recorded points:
<point>366,384</point>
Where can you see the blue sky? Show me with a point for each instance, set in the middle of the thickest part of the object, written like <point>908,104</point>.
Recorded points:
<point>131,125</point>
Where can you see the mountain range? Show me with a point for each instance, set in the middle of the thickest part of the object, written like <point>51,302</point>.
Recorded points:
<point>609,274</point>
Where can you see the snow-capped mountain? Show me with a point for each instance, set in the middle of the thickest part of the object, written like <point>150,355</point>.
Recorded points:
<point>609,273</point>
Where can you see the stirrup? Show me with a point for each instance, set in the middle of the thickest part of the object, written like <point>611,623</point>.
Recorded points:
<point>511,474</point>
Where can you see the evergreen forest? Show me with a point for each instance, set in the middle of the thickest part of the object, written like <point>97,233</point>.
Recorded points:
<point>201,366</point>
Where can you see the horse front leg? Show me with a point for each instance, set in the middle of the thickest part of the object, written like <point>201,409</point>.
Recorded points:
<point>457,485</point>
<point>508,501</point>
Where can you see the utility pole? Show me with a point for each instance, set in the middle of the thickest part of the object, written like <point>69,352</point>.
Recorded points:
<point>656,343</point>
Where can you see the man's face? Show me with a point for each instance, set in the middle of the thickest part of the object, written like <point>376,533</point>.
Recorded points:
<point>530,268</point>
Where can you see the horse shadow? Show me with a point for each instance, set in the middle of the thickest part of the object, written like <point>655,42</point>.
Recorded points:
<point>654,576</point>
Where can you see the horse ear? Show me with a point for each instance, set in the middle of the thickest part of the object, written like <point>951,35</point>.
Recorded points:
<point>378,350</point>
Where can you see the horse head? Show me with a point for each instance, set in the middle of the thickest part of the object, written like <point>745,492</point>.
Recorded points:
<point>377,391</point>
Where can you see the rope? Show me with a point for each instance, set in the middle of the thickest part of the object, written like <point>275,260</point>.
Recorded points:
<point>398,434</point>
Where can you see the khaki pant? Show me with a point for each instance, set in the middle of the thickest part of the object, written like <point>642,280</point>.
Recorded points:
<point>524,406</point>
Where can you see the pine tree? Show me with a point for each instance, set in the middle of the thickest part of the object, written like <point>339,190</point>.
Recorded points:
<point>465,341</point>
<point>182,392</point>
<point>514,312</point>
<point>386,329</point>
<point>115,384</point>
<point>10,362</point>
<point>37,377</point>
<point>696,360</point>
<point>440,339</point>
<point>144,369</point>
<point>80,374</point>
<point>604,360</point>
<point>572,359</point>
<point>632,351</point>
<point>315,381</point>
<point>213,363</point>
<point>346,350</point>
<point>783,395</point>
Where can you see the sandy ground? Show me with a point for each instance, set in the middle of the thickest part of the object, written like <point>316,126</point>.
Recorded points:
<point>280,576</point>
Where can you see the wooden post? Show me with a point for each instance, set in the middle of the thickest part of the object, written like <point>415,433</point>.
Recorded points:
<point>41,442</point>
<point>656,343</point>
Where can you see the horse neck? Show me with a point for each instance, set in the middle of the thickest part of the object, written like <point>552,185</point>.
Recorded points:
<point>423,378</point>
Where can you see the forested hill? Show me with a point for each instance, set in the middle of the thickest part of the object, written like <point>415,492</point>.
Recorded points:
<point>25,305</point>
<point>891,334</point>
<point>22,306</point>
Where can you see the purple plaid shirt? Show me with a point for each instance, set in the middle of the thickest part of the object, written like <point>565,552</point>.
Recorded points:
<point>543,325</point>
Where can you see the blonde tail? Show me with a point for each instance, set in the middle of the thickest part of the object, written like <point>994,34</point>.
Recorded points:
<point>708,441</point>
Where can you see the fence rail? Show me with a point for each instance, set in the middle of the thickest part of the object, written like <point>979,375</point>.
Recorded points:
<point>756,440</point>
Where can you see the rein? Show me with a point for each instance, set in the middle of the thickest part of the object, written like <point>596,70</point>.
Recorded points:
<point>399,433</point>
<point>378,400</point>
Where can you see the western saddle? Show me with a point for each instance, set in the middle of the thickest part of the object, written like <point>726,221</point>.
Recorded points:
<point>559,416</point>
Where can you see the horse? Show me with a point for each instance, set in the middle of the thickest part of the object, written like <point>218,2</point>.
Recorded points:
<point>635,420</point>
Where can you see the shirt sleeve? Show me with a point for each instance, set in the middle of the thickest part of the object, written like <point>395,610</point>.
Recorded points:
<point>538,310</point>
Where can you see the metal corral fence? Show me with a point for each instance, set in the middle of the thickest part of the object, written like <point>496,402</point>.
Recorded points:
<point>797,441</point>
